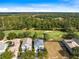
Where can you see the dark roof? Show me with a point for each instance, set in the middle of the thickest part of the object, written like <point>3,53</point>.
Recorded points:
<point>76,40</point>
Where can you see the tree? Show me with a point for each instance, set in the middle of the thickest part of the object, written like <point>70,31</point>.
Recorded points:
<point>43,54</point>
<point>40,55</point>
<point>47,21</point>
<point>35,35</point>
<point>70,35</point>
<point>11,35</point>
<point>75,57</point>
<point>46,36</point>
<point>28,55</point>
<point>6,55</point>
<point>29,34</point>
<point>21,35</point>
<point>75,51</point>
<point>1,35</point>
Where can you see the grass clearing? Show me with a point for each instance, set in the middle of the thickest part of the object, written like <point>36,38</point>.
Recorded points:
<point>15,31</point>
<point>56,35</point>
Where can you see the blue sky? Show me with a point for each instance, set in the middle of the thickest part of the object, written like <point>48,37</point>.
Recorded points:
<point>39,5</point>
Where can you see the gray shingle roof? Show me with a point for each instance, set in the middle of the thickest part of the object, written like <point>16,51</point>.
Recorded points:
<point>2,46</point>
<point>76,40</point>
<point>38,42</point>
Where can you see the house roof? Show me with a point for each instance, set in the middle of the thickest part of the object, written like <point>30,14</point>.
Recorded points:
<point>76,40</point>
<point>38,42</point>
<point>72,43</point>
<point>3,46</point>
<point>27,41</point>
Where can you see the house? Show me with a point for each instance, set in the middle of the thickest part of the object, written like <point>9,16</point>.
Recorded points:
<point>27,44</point>
<point>71,43</point>
<point>38,45</point>
<point>14,48</point>
<point>3,47</point>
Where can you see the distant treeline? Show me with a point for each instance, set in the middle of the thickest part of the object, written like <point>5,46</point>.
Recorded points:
<point>43,21</point>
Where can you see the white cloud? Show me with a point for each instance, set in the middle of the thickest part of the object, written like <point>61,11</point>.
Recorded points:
<point>41,8</point>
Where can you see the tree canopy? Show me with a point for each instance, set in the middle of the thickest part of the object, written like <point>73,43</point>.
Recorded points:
<point>43,21</point>
<point>6,55</point>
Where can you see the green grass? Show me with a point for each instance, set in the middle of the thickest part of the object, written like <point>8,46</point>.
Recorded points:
<point>77,34</point>
<point>54,35</point>
<point>15,31</point>
<point>39,33</point>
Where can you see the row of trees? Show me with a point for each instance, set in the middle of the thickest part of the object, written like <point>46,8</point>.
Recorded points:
<point>31,55</point>
<point>34,35</point>
<point>13,35</point>
<point>28,55</point>
<point>42,21</point>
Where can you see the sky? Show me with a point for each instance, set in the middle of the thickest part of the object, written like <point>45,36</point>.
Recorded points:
<point>39,5</point>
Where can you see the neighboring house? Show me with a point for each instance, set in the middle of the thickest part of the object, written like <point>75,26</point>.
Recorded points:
<point>27,44</point>
<point>3,47</point>
<point>38,45</point>
<point>71,43</point>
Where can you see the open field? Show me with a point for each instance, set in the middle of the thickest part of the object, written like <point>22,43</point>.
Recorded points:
<point>55,51</point>
<point>56,35</point>
<point>52,35</point>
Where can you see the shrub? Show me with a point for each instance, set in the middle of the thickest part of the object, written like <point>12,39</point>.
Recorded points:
<point>6,55</point>
<point>69,36</point>
<point>28,55</point>
<point>35,35</point>
<point>46,36</point>
<point>75,51</point>
<point>21,35</point>
<point>24,34</point>
<point>11,35</point>
<point>1,35</point>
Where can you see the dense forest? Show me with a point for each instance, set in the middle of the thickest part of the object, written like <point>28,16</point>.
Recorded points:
<point>41,21</point>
